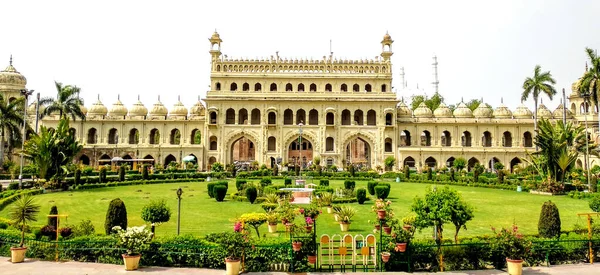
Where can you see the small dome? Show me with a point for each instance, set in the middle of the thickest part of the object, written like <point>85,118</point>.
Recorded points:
<point>118,109</point>
<point>462,111</point>
<point>423,111</point>
<point>543,112</point>
<point>198,109</point>
<point>178,110</point>
<point>502,112</point>
<point>483,111</point>
<point>138,109</point>
<point>158,109</point>
<point>10,76</point>
<point>442,111</point>
<point>403,110</point>
<point>98,109</point>
<point>522,112</point>
<point>558,113</point>
<point>387,38</point>
<point>215,36</point>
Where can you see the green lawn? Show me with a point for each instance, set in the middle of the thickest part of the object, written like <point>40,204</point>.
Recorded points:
<point>202,215</point>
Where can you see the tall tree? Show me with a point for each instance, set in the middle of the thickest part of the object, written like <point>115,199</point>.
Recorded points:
<point>473,104</point>
<point>540,83</point>
<point>67,102</point>
<point>432,102</point>
<point>11,121</point>
<point>590,82</point>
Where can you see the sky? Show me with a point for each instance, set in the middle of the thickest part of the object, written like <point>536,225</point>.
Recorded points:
<point>127,49</point>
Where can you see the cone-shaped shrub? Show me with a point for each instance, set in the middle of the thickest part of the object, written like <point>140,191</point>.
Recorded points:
<point>361,195</point>
<point>549,224</point>
<point>116,215</point>
<point>251,194</point>
<point>52,220</point>
<point>220,191</point>
<point>371,186</point>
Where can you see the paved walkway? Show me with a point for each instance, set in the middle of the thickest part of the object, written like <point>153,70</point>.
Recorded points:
<point>68,268</point>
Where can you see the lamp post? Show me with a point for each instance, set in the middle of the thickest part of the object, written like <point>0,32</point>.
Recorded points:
<point>300,142</point>
<point>26,93</point>
<point>586,97</point>
<point>179,192</point>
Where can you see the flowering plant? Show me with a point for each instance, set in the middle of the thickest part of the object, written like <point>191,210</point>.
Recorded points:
<point>309,221</point>
<point>381,205</point>
<point>310,211</point>
<point>235,241</point>
<point>511,243</point>
<point>134,239</point>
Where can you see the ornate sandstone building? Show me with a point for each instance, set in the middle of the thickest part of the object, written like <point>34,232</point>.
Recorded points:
<point>344,110</point>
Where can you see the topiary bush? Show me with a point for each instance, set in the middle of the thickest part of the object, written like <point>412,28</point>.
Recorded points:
<point>429,173</point>
<point>595,203</point>
<point>77,180</point>
<point>220,191</point>
<point>239,184</point>
<point>371,187</point>
<point>382,191</point>
<point>452,176</point>
<point>156,212</point>
<point>210,186</point>
<point>265,181</point>
<point>102,175</point>
<point>145,171</point>
<point>361,195</point>
<point>349,184</point>
<point>251,194</point>
<point>223,182</point>
<point>275,171</point>
<point>52,220</point>
<point>324,182</point>
<point>48,231</point>
<point>65,232</point>
<point>549,223</point>
<point>287,181</point>
<point>122,173</point>
<point>406,172</point>
<point>115,216</point>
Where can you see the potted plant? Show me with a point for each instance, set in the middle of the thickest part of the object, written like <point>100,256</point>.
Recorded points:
<point>383,209</point>
<point>513,246</point>
<point>311,248</point>
<point>24,210</point>
<point>400,239</point>
<point>385,256</point>
<point>345,215</point>
<point>272,219</point>
<point>325,200</point>
<point>309,224</point>
<point>133,239</point>
<point>234,244</point>
<point>336,209</point>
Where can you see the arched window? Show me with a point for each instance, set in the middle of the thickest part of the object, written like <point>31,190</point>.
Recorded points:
<point>466,139</point>
<point>313,117</point>
<point>273,87</point>
<point>272,119</point>
<point>329,144</point>
<point>346,117</point>
<point>405,138</point>
<point>383,88</point>
<point>507,139</point>
<point>330,119</point>
<point>218,86</point>
<point>388,119</point>
<point>213,143</point>
<point>230,116</point>
<point>196,137</point>
<point>446,139</point>
<point>85,160</point>
<point>213,117</point>
<point>257,87</point>
<point>430,162</point>
<point>154,136</point>
<point>344,88</point>
<point>233,87</point>
<point>288,87</point>
<point>300,87</point>
<point>113,136</point>
<point>246,87</point>
<point>300,116</point>
<point>271,144</point>
<point>358,117</point>
<point>368,88</point>
<point>134,136</point>
<point>355,88</point>
<point>409,161</point>
<point>388,145</point>
<point>255,117</point>
<point>175,137</point>
<point>288,117</point>
<point>527,140</point>
<point>92,136</point>
<point>425,138</point>
<point>486,139</point>
<point>243,116</point>
<point>313,87</point>
<point>328,87</point>
<point>371,118</point>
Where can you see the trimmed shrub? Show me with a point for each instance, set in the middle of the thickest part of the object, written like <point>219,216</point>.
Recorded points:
<point>223,182</point>
<point>595,203</point>
<point>349,184</point>
<point>102,175</point>
<point>115,216</point>
<point>52,220</point>
<point>48,231</point>
<point>406,172</point>
<point>65,232</point>
<point>287,181</point>
<point>371,187</point>
<point>77,179</point>
<point>239,184</point>
<point>251,194</point>
<point>429,173</point>
<point>324,182</point>
<point>210,186</point>
<point>361,195</point>
<point>265,181</point>
<point>145,172</point>
<point>549,223</point>
<point>220,191</point>
<point>268,206</point>
<point>122,173</point>
<point>156,212</point>
<point>275,171</point>
<point>382,191</point>
<point>351,170</point>
<point>452,177</point>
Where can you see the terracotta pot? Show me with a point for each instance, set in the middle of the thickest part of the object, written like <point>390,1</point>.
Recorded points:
<point>296,246</point>
<point>17,254</point>
<point>308,228</point>
<point>385,256</point>
<point>312,259</point>
<point>406,227</point>
<point>344,226</point>
<point>381,214</point>
<point>272,228</point>
<point>400,247</point>
<point>329,209</point>
<point>387,230</point>
<point>132,262</point>
<point>232,266</point>
<point>515,267</point>
<point>377,227</point>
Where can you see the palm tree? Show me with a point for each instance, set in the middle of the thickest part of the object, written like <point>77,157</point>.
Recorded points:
<point>11,121</point>
<point>590,82</point>
<point>67,102</point>
<point>540,83</point>
<point>24,210</point>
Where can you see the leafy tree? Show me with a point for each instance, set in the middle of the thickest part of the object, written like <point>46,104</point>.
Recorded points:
<point>11,121</point>
<point>67,102</point>
<point>389,162</point>
<point>460,164</point>
<point>477,171</point>
<point>24,210</point>
<point>156,212</point>
<point>115,216</point>
<point>595,203</point>
<point>431,103</point>
<point>52,220</point>
<point>590,82</point>
<point>549,223</point>
<point>540,83</point>
<point>217,167</point>
<point>473,104</point>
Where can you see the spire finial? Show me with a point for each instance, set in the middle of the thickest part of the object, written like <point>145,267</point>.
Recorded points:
<point>541,101</point>
<point>10,62</point>
<point>198,97</point>
<point>462,100</point>
<point>118,97</point>
<point>502,100</point>
<point>158,98</point>
<point>138,97</point>
<point>98,97</point>
<point>402,99</point>
<point>179,98</point>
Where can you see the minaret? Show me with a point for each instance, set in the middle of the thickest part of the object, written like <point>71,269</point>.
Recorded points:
<point>435,82</point>
<point>215,48</point>
<point>402,78</point>
<point>386,47</point>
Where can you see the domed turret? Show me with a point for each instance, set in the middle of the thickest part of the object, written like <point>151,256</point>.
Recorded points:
<point>198,109</point>
<point>423,111</point>
<point>118,109</point>
<point>97,109</point>
<point>522,112</point>
<point>178,109</point>
<point>158,109</point>
<point>558,113</point>
<point>442,111</point>
<point>11,78</point>
<point>462,111</point>
<point>543,112</point>
<point>138,109</point>
<point>483,111</point>
<point>403,110</point>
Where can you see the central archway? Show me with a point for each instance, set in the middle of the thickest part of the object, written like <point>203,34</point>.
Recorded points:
<point>243,150</point>
<point>300,152</point>
<point>358,153</point>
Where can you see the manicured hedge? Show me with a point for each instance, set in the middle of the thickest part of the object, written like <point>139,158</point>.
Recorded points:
<point>8,200</point>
